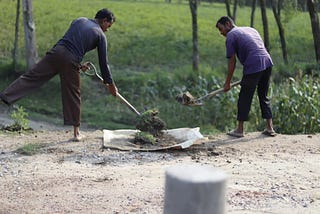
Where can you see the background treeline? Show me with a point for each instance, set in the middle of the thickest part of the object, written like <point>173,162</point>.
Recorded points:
<point>298,4</point>
<point>150,51</point>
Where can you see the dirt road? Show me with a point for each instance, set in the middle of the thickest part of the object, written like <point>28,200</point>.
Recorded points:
<point>265,175</point>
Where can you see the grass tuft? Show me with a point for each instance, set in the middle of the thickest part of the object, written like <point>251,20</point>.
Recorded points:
<point>30,149</point>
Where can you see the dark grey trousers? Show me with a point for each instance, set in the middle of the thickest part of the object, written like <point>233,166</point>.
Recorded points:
<point>249,84</point>
<point>57,61</point>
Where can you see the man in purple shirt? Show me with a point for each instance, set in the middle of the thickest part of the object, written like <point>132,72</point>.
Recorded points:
<point>246,44</point>
<point>65,59</point>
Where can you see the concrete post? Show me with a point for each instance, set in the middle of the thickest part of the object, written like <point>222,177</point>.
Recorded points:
<point>194,189</point>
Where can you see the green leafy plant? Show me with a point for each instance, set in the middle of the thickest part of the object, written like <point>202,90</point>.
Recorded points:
<point>19,116</point>
<point>297,106</point>
<point>150,122</point>
<point>145,138</point>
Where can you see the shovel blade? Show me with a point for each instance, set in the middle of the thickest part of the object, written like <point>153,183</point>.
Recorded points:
<point>188,100</point>
<point>195,104</point>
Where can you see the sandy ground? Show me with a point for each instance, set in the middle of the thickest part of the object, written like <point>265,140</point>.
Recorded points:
<point>265,174</point>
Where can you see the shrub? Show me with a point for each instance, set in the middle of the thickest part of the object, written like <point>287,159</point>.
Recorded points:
<point>19,116</point>
<point>296,106</point>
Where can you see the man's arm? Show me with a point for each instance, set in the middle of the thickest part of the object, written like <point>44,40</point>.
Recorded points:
<point>104,66</point>
<point>231,67</point>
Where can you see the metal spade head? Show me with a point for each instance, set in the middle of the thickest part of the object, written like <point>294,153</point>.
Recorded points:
<point>188,100</point>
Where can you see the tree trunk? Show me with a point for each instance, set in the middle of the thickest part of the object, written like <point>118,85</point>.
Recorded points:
<point>16,36</point>
<point>276,8</point>
<point>235,10</point>
<point>228,8</point>
<point>29,33</point>
<point>253,9</point>
<point>265,24</point>
<point>312,4</point>
<point>195,59</point>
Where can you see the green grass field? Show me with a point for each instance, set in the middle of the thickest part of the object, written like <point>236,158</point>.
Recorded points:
<point>150,34</point>
<point>150,52</point>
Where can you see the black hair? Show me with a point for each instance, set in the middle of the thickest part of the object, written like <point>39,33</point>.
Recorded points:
<point>224,20</point>
<point>105,14</point>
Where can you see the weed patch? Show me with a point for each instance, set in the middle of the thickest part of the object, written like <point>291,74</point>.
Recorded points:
<point>30,149</point>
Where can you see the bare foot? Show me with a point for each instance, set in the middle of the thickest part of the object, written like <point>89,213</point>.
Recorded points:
<point>235,133</point>
<point>78,138</point>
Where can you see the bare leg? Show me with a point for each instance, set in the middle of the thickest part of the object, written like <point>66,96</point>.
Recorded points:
<point>76,134</point>
<point>238,132</point>
<point>269,131</point>
<point>76,131</point>
<point>240,126</point>
<point>270,125</point>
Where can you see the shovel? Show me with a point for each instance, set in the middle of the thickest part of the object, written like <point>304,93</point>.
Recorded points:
<point>189,100</point>
<point>94,72</point>
<point>123,100</point>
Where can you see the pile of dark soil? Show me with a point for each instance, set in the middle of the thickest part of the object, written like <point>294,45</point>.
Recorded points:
<point>164,140</point>
<point>151,130</point>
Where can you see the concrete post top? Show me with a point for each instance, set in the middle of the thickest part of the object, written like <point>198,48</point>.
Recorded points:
<point>196,173</point>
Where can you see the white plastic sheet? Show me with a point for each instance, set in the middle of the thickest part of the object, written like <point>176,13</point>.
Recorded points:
<point>121,139</point>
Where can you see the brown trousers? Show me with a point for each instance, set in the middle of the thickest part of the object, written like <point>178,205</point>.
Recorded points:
<point>57,61</point>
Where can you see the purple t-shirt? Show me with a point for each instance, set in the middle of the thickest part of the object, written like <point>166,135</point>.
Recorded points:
<point>248,45</point>
<point>85,35</point>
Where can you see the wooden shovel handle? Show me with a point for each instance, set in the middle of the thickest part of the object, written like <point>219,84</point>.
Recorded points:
<point>218,91</point>
<point>123,100</point>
